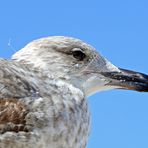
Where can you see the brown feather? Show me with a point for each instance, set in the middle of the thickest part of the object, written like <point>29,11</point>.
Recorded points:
<point>12,115</point>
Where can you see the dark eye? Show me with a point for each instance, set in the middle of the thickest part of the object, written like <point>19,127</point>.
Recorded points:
<point>78,54</point>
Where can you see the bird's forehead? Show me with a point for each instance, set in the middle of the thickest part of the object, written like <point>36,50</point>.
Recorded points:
<point>61,43</point>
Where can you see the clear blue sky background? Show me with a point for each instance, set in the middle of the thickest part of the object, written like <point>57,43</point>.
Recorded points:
<point>118,29</point>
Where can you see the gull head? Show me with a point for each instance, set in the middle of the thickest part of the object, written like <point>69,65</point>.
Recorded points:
<point>79,64</point>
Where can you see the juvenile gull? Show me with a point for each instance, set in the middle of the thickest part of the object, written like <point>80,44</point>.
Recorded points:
<point>43,92</point>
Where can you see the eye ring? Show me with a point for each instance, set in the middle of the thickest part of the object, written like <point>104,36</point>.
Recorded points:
<point>78,54</point>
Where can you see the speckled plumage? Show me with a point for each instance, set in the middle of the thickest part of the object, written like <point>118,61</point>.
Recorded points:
<point>43,92</point>
<point>38,108</point>
<point>55,113</point>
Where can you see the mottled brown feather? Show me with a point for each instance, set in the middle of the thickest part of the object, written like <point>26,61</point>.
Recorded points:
<point>12,115</point>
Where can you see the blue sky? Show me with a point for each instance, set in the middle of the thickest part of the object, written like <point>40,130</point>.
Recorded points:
<point>118,29</point>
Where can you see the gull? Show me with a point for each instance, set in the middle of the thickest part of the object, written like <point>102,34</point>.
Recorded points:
<point>44,90</point>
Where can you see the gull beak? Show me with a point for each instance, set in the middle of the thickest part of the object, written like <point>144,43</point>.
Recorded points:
<point>105,76</point>
<point>126,79</point>
<point>102,75</point>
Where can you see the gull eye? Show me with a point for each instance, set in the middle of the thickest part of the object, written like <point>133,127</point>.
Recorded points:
<point>78,54</point>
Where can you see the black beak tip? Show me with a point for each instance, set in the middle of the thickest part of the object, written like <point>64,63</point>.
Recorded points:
<point>130,80</point>
<point>142,88</point>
